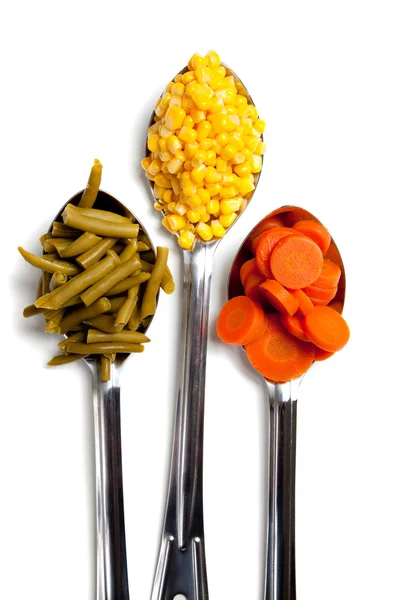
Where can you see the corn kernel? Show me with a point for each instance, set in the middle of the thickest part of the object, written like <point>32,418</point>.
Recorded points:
<point>186,179</point>
<point>227,220</point>
<point>202,97</point>
<point>220,165</point>
<point>228,152</point>
<point>167,197</point>
<point>204,231</point>
<point>236,140</point>
<point>206,144</point>
<point>243,169</point>
<point>229,179</point>
<point>213,59</point>
<point>187,135</point>
<point>204,218</point>
<point>153,129</point>
<point>158,206</point>
<point>162,181</point>
<point>190,150</point>
<point>176,222</point>
<point>146,162</point>
<point>251,142</point>
<point>178,78</point>
<point>187,103</point>
<point>186,240</point>
<point>203,130</point>
<point>197,115</point>
<point>164,132</point>
<point>174,117</point>
<point>194,201</point>
<point>162,105</point>
<point>149,176</point>
<point>245,185</point>
<point>228,192</point>
<point>217,229</point>
<point>260,125</point>
<point>176,186</point>
<point>188,77</point>
<point>171,207</point>
<point>177,88</point>
<point>256,163</point>
<point>212,175</point>
<point>204,195</point>
<point>166,156</point>
<point>198,158</point>
<point>173,144</point>
<point>247,153</point>
<point>197,61</point>
<point>240,101</point>
<point>217,104</point>
<point>187,165</point>
<point>164,166</point>
<point>193,216</point>
<point>153,143</point>
<point>211,158</point>
<point>222,139</point>
<point>199,173</point>
<point>166,224</point>
<point>174,166</point>
<point>180,156</point>
<point>220,123</point>
<point>230,205</point>
<point>214,189</point>
<point>212,207</point>
<point>203,74</point>
<point>181,208</point>
<point>175,101</point>
<point>261,148</point>
<point>188,122</point>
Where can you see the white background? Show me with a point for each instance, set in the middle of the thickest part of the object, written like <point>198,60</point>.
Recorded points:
<point>79,80</point>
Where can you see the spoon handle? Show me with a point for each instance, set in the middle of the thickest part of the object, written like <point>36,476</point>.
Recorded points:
<point>112,572</point>
<point>280,577</point>
<point>181,567</point>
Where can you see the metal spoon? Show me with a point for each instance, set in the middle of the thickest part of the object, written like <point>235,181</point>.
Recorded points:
<point>280,580</point>
<point>112,572</point>
<point>181,568</point>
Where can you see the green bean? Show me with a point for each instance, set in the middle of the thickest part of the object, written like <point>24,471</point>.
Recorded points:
<point>57,279</point>
<point>112,356</point>
<point>71,216</point>
<point>90,257</point>
<point>77,284</point>
<point>105,368</point>
<point>49,265</point>
<point>167,282</point>
<point>64,231</point>
<point>53,320</point>
<point>106,283</point>
<point>92,187</point>
<point>103,347</point>
<point>57,244</point>
<point>46,276</point>
<point>128,251</point>
<point>63,359</point>
<point>127,283</point>
<point>104,215</point>
<point>143,237</point>
<point>31,311</point>
<point>94,335</point>
<point>105,323</point>
<point>124,313</point>
<point>149,302</point>
<point>142,247</point>
<point>148,256</point>
<point>135,319</point>
<point>83,243</point>
<point>79,336</point>
<point>43,238</point>
<point>116,303</point>
<point>77,316</point>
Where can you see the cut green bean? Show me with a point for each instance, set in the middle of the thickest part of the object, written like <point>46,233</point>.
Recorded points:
<point>104,215</point>
<point>43,238</point>
<point>57,279</point>
<point>77,316</point>
<point>142,247</point>
<point>79,336</point>
<point>64,231</point>
<point>94,335</point>
<point>149,302</point>
<point>63,359</point>
<point>167,282</point>
<point>124,313</point>
<point>128,251</point>
<point>103,347</point>
<point>149,256</point>
<point>77,284</point>
<point>92,187</point>
<point>56,244</point>
<point>90,257</point>
<point>72,217</point>
<point>83,243</point>
<point>105,323</point>
<point>49,265</point>
<point>135,320</point>
<point>116,303</point>
<point>127,283</point>
<point>110,280</point>
<point>53,321</point>
<point>105,368</point>
<point>32,311</point>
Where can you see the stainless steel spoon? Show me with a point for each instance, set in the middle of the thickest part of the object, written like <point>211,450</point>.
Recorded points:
<point>181,567</point>
<point>280,578</point>
<point>112,571</point>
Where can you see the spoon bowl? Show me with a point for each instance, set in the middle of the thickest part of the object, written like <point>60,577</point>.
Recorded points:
<point>280,582</point>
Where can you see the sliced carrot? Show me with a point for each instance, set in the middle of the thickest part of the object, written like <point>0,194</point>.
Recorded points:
<point>293,216</point>
<point>250,266</point>
<point>329,276</point>
<point>267,223</point>
<point>279,356</point>
<point>326,294</point>
<point>252,287</point>
<point>279,297</point>
<point>318,301</point>
<point>336,305</point>
<point>305,304</point>
<point>322,354</point>
<point>326,328</point>
<point>266,243</point>
<point>240,321</point>
<point>316,231</point>
<point>294,325</point>
<point>296,261</point>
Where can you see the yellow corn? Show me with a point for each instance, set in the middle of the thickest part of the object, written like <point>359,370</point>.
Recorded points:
<point>230,205</point>
<point>214,189</point>
<point>220,165</point>
<point>177,89</point>
<point>174,166</point>
<point>213,59</point>
<point>176,222</point>
<point>146,162</point>
<point>162,181</point>
<point>204,195</point>
<point>203,130</point>
<point>206,144</point>
<point>199,173</point>
<point>194,201</point>
<point>261,148</point>
<point>228,192</point>
<point>181,208</point>
<point>242,170</point>
<point>187,134</point>
<point>188,77</point>
<point>167,197</point>
<point>217,229</point>
<point>186,240</point>
<point>173,144</point>
<point>174,117</point>
<point>158,206</point>
<point>256,163</point>
<point>152,143</point>
<point>198,158</point>
<point>212,175</point>
<point>204,231</point>
<point>245,185</point>
<point>193,215</point>
<point>212,207</point>
<point>227,220</point>
<point>197,115</point>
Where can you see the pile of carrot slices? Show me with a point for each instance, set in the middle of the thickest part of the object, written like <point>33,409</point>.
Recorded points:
<point>288,312</point>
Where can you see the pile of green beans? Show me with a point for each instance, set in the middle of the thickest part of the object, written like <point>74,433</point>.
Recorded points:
<point>95,286</point>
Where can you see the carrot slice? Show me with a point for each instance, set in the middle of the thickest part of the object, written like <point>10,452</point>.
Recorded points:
<point>279,356</point>
<point>322,354</point>
<point>326,294</point>
<point>279,297</point>
<point>326,328</point>
<point>294,325</point>
<point>240,321</point>
<point>252,287</point>
<point>265,245</point>
<point>305,304</point>
<point>250,266</point>
<point>296,261</point>
<point>316,231</point>
<point>329,276</point>
<point>336,305</point>
<point>267,223</point>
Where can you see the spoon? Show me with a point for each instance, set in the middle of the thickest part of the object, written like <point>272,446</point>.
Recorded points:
<point>280,581</point>
<point>112,572</point>
<point>181,567</point>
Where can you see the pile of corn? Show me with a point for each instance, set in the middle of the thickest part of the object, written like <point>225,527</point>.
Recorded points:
<point>205,148</point>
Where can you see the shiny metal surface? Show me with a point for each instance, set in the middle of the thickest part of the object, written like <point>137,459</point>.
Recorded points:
<point>111,569</point>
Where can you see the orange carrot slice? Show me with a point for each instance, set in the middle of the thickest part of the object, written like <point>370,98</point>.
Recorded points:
<point>322,354</point>
<point>252,287</point>
<point>336,305</point>
<point>279,297</point>
<point>294,324</point>
<point>326,328</point>
<point>267,223</point>
<point>329,276</point>
<point>296,261</point>
<point>279,356</point>
<point>266,243</point>
<point>305,304</point>
<point>314,230</point>
<point>326,294</point>
<point>250,266</point>
<point>240,321</point>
